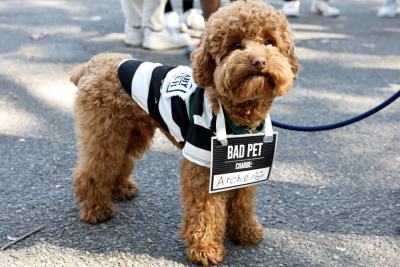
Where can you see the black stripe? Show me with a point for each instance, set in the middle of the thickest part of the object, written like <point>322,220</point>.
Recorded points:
<point>180,115</point>
<point>228,128</point>
<point>213,126</point>
<point>126,72</point>
<point>153,98</point>
<point>176,90</point>
<point>198,110</point>
<point>199,136</point>
<point>198,101</point>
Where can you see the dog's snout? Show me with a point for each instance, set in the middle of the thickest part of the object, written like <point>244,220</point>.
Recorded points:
<point>259,62</point>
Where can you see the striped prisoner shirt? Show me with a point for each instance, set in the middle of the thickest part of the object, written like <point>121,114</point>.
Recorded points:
<point>170,96</point>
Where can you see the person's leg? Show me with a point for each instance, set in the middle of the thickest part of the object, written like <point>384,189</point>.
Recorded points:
<point>168,7</point>
<point>156,35</point>
<point>153,14</point>
<point>209,7</point>
<point>132,10</point>
<point>187,5</point>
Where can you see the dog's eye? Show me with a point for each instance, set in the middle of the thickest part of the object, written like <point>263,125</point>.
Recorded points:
<point>237,45</point>
<point>268,43</point>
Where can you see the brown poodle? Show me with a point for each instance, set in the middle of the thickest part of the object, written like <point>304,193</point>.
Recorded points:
<point>246,60</point>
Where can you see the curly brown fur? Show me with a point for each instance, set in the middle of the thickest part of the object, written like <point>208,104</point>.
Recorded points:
<point>204,217</point>
<point>113,130</point>
<point>243,225</point>
<point>244,91</point>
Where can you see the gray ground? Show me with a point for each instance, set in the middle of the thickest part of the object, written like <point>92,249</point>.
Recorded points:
<point>336,201</point>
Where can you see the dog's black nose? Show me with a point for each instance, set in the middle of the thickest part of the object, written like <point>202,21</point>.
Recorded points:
<point>259,62</point>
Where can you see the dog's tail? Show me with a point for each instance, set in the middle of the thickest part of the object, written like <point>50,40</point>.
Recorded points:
<point>77,73</point>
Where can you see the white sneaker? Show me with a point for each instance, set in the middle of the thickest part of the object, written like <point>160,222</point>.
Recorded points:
<point>194,19</point>
<point>173,21</point>
<point>291,9</point>
<point>133,36</point>
<point>388,10</point>
<point>324,8</point>
<point>165,39</point>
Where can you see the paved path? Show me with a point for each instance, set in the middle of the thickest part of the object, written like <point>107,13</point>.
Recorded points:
<point>336,199</point>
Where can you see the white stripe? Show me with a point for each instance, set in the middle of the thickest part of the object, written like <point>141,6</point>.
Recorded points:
<point>201,122</point>
<point>205,119</point>
<point>166,113</point>
<point>197,155</point>
<point>123,61</point>
<point>268,126</point>
<point>220,125</point>
<point>187,103</point>
<point>141,83</point>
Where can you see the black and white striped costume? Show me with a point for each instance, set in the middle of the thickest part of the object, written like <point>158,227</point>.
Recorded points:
<point>170,96</point>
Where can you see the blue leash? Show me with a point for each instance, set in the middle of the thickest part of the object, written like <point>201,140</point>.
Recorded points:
<point>339,124</point>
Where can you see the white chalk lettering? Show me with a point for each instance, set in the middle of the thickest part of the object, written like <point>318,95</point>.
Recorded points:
<point>230,152</point>
<point>259,150</point>
<point>236,152</point>
<point>254,150</point>
<point>244,165</point>
<point>249,149</point>
<point>241,151</point>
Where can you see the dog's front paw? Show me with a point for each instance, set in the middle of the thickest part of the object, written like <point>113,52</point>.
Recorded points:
<point>206,255</point>
<point>246,234</point>
<point>96,213</point>
<point>126,191</point>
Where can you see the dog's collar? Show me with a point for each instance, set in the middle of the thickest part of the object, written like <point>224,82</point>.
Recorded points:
<point>239,129</point>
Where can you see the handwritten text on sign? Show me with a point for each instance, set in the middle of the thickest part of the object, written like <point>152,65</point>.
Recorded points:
<point>240,178</point>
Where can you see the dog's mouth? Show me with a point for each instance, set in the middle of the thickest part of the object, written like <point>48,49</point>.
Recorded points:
<point>267,77</point>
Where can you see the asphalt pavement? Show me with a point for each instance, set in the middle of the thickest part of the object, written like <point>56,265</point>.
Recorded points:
<point>333,198</point>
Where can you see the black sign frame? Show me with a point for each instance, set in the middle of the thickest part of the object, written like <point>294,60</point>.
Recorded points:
<point>222,165</point>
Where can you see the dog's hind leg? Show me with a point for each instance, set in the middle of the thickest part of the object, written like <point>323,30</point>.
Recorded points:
<point>139,142</point>
<point>103,150</point>
<point>125,187</point>
<point>103,129</point>
<point>95,175</point>
<point>243,225</point>
<point>204,219</point>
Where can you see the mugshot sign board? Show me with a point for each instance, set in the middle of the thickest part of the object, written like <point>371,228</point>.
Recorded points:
<point>244,161</point>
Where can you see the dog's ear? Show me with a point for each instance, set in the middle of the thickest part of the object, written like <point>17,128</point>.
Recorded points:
<point>289,46</point>
<point>203,66</point>
<point>294,62</point>
<point>294,67</point>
